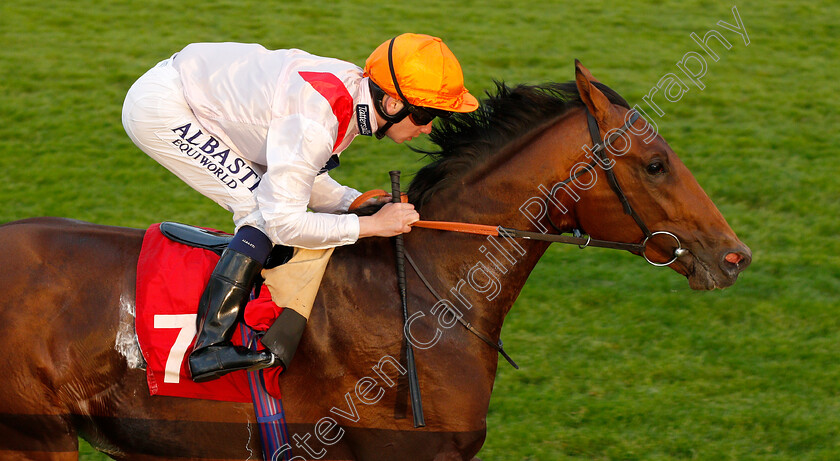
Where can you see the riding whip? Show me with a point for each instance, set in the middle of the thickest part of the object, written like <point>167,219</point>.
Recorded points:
<point>413,382</point>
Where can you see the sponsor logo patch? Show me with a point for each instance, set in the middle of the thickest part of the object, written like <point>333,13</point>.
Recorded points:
<point>211,154</point>
<point>363,119</point>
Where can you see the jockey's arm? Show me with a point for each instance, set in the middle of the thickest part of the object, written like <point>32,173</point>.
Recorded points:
<point>328,196</point>
<point>296,149</point>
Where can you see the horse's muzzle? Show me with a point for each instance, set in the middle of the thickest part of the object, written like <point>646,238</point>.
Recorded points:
<point>707,269</point>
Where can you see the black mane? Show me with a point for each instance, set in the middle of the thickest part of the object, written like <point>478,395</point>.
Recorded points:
<point>467,140</point>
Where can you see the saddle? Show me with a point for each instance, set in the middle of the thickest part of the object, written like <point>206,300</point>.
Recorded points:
<point>197,237</point>
<point>217,241</point>
<point>172,271</point>
<point>173,267</point>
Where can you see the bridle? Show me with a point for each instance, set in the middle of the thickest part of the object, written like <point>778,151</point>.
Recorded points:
<point>595,134</point>
<point>600,150</point>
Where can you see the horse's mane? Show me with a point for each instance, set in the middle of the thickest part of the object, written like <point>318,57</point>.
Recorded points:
<point>467,140</point>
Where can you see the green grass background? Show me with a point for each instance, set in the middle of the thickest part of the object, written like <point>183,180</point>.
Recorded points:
<point>619,360</point>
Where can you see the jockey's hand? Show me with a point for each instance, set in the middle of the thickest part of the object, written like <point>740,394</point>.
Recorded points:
<point>379,200</point>
<point>393,219</point>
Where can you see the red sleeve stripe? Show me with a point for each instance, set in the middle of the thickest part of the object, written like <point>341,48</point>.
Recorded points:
<point>333,90</point>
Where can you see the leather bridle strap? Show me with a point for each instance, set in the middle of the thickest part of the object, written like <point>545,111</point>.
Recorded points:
<point>582,242</point>
<point>598,149</point>
<point>498,347</point>
<point>601,151</point>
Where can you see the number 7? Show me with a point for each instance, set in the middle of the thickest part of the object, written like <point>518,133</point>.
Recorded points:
<point>186,323</point>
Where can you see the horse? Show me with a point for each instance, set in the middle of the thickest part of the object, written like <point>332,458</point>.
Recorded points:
<point>66,310</point>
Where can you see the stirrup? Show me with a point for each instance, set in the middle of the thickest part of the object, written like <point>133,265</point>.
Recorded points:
<point>216,361</point>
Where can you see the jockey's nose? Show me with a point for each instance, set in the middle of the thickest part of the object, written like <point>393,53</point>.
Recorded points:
<point>427,128</point>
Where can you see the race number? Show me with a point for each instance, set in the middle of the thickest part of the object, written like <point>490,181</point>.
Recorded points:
<point>186,326</point>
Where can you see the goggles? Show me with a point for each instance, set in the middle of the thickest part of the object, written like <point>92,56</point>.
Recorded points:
<point>424,115</point>
<point>418,115</point>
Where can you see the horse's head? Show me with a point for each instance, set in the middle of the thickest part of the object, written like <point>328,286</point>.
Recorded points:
<point>662,192</point>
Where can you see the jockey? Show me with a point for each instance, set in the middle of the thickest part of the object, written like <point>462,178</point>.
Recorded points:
<point>257,131</point>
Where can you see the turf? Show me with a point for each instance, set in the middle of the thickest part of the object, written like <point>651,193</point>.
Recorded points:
<point>619,360</point>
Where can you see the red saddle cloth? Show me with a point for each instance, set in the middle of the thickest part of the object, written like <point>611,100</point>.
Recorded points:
<point>170,279</point>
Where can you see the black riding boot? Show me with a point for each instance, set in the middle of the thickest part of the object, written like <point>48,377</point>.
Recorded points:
<point>218,311</point>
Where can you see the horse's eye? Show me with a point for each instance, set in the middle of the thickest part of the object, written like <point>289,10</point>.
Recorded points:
<point>655,168</point>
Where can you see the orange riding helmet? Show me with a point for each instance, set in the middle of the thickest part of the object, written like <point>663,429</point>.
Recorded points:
<point>421,71</point>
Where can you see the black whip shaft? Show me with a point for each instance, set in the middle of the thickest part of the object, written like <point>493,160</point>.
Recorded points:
<point>413,381</point>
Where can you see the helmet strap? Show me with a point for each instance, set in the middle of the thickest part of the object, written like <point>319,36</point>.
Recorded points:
<point>379,95</point>
<point>379,105</point>
<point>393,72</point>
<point>380,133</point>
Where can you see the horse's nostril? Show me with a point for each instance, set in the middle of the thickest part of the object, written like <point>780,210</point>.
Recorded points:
<point>733,258</point>
<point>736,261</point>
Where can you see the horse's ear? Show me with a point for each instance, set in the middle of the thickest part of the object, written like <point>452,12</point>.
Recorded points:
<point>594,99</point>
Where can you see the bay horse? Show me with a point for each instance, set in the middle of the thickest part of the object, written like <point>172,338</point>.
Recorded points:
<point>66,310</point>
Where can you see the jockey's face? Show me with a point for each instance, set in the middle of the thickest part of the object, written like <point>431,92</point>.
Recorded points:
<point>405,130</point>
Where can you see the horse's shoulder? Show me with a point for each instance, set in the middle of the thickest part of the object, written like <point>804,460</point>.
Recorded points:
<point>365,253</point>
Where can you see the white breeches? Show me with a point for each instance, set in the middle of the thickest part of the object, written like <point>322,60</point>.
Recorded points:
<point>160,122</point>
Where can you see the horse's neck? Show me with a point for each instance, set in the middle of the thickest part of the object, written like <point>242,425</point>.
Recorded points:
<point>480,276</point>
<point>486,274</point>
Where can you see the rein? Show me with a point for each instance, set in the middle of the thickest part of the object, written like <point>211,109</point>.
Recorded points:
<point>499,347</point>
<point>582,242</point>
<point>578,239</point>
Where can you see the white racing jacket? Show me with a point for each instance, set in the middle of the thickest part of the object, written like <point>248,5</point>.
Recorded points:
<point>290,113</point>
